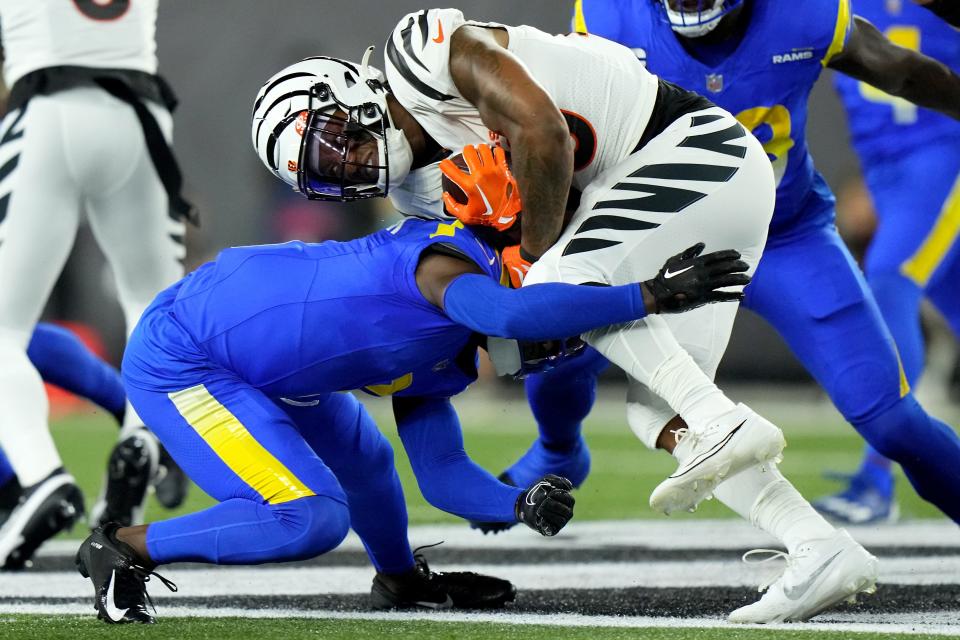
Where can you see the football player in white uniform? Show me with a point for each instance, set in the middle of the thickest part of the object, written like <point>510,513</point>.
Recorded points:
<point>87,130</point>
<point>657,167</point>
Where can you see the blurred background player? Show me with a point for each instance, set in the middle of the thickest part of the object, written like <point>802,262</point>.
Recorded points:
<point>86,132</point>
<point>910,160</point>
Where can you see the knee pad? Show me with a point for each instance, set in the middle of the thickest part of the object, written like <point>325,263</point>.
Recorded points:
<point>316,525</point>
<point>896,431</point>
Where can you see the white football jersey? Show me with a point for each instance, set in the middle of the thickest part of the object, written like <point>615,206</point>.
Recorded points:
<point>116,34</point>
<point>605,93</point>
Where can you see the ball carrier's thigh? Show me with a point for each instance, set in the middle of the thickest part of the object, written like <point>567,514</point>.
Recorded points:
<point>704,179</point>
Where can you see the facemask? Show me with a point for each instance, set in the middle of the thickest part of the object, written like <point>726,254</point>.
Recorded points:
<point>399,155</point>
<point>693,25</point>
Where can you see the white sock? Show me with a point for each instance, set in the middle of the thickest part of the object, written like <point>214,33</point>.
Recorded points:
<point>24,433</point>
<point>764,497</point>
<point>689,391</point>
<point>649,352</point>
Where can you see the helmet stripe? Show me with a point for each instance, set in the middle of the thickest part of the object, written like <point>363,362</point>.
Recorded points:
<point>289,76</point>
<point>272,140</point>
<point>285,96</point>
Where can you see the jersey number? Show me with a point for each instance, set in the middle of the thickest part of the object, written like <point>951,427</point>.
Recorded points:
<point>102,9</point>
<point>772,127</point>
<point>903,112</point>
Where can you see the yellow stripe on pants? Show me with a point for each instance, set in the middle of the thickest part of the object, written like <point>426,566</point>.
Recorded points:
<point>237,447</point>
<point>924,262</point>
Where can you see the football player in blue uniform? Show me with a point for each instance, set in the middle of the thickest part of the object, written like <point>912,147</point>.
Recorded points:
<point>910,159</point>
<point>237,369</point>
<point>759,60</point>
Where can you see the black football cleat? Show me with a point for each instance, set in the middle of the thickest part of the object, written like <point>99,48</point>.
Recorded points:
<point>43,510</point>
<point>119,577</point>
<point>418,588</point>
<point>131,468</point>
<point>171,484</point>
<point>470,590</point>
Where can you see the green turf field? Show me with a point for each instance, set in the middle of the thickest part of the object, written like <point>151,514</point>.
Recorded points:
<point>623,471</point>
<point>70,628</point>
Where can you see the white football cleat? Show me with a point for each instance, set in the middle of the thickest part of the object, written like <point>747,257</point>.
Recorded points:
<point>820,575</point>
<point>737,441</point>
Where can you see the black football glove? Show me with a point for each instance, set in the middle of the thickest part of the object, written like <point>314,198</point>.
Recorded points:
<point>546,506</point>
<point>689,280</point>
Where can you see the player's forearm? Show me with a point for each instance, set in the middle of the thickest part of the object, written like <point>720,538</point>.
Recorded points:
<point>929,83</point>
<point>447,477</point>
<point>542,163</point>
<point>539,312</point>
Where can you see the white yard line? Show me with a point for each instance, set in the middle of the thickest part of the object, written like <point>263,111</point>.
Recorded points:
<point>854,623</point>
<point>654,534</point>
<point>275,580</point>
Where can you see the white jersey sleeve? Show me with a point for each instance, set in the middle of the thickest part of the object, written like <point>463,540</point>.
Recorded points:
<point>114,34</point>
<point>418,72</point>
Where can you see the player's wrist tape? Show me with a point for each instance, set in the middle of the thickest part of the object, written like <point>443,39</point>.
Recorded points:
<point>526,255</point>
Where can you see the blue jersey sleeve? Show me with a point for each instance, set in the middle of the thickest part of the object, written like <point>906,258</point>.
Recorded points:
<point>447,477</point>
<point>597,17</point>
<point>539,312</point>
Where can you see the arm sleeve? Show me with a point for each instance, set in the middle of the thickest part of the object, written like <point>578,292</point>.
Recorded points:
<point>541,311</point>
<point>448,478</point>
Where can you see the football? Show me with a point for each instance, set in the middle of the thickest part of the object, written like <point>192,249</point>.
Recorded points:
<point>491,236</point>
<point>450,186</point>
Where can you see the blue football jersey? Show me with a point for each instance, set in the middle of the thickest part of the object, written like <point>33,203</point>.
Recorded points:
<point>884,126</point>
<point>765,81</point>
<point>296,319</point>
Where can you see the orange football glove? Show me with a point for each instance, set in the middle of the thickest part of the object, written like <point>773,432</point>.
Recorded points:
<point>516,265</point>
<point>493,199</point>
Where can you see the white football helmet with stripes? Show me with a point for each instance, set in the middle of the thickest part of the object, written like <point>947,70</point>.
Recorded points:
<point>322,125</point>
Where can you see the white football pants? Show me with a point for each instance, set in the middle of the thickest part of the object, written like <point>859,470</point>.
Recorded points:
<point>76,151</point>
<point>703,179</point>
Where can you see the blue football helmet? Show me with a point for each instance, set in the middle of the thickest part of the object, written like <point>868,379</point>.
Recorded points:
<point>694,18</point>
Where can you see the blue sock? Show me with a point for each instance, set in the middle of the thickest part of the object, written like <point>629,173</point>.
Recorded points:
<point>62,359</point>
<point>898,298</point>
<point>927,449</point>
<point>241,531</point>
<point>875,472</point>
<point>560,399</point>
